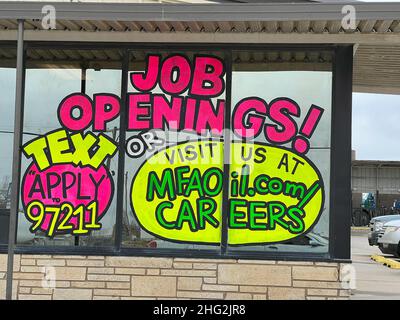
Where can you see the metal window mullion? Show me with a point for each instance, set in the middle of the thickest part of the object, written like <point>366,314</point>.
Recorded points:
<point>340,175</point>
<point>121,152</point>
<point>227,153</point>
<point>83,90</point>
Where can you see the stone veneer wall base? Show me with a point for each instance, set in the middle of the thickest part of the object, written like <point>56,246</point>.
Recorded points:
<point>100,277</point>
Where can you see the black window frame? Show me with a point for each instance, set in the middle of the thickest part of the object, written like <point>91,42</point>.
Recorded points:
<point>340,155</point>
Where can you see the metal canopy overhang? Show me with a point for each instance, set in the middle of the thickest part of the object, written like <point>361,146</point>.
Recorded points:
<point>376,36</point>
<point>199,12</point>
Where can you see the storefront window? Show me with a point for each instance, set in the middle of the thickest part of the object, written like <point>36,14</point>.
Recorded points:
<point>218,152</point>
<point>174,160</point>
<point>69,165</point>
<point>280,155</point>
<point>7,103</point>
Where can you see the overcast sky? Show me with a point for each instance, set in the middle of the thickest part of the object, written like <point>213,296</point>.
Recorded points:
<point>376,126</point>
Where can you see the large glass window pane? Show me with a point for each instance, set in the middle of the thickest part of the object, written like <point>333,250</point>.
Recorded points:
<point>71,129</point>
<point>280,153</point>
<point>7,107</point>
<point>174,160</point>
<point>173,175</point>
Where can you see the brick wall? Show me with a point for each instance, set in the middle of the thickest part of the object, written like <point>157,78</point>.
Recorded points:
<point>99,277</point>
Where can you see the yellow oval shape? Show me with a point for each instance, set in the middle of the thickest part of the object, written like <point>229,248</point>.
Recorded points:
<point>275,194</point>
<point>281,198</point>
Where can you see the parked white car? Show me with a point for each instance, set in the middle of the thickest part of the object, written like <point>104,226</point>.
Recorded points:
<point>389,241</point>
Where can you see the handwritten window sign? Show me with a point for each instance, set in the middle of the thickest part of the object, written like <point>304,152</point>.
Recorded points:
<point>276,193</point>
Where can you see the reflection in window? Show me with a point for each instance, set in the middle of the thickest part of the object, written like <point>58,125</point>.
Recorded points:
<point>174,158</point>
<point>172,191</point>
<point>7,106</point>
<point>281,151</point>
<point>67,197</point>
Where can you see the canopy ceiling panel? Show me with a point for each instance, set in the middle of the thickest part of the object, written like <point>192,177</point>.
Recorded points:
<point>293,27</point>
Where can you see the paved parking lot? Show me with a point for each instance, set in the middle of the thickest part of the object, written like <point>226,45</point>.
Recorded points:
<point>373,280</point>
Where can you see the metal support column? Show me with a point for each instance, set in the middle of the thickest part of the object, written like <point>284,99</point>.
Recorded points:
<point>18,122</point>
